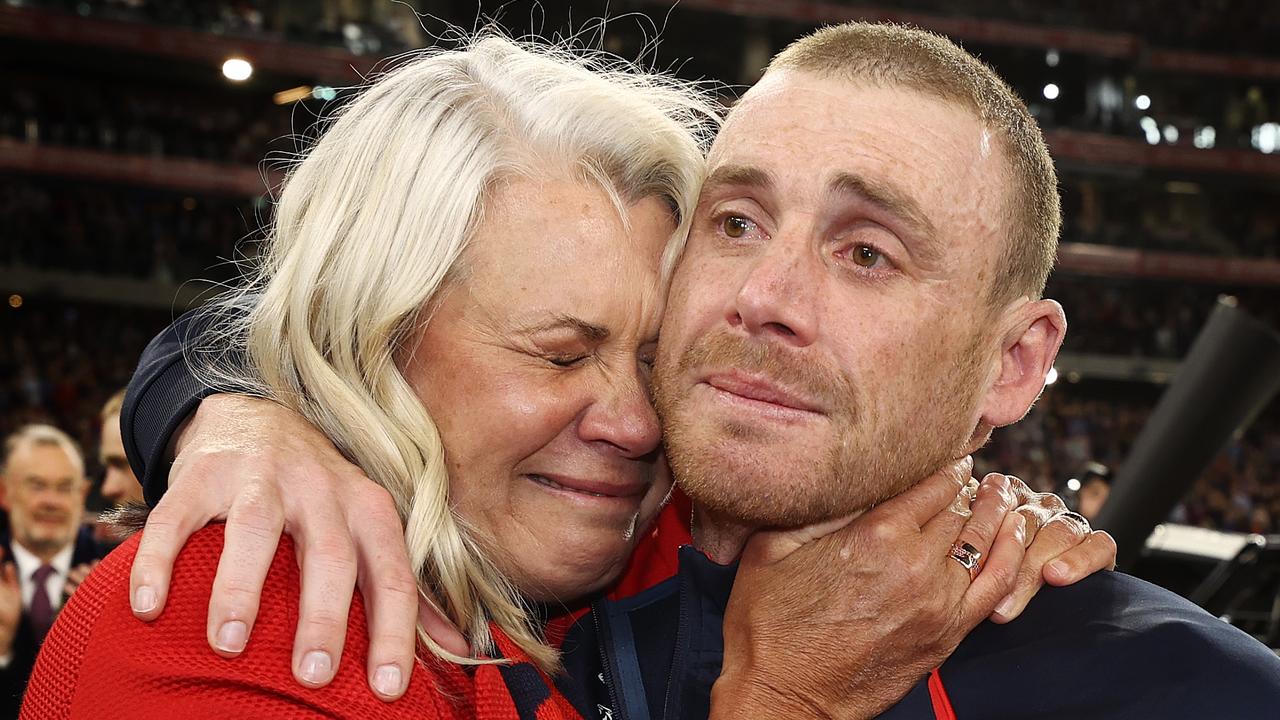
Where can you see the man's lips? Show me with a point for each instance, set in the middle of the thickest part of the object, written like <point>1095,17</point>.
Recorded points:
<point>594,488</point>
<point>760,389</point>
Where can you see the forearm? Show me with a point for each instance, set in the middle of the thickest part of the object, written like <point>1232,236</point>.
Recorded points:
<point>162,395</point>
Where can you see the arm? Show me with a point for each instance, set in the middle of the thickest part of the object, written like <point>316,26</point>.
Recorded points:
<point>264,470</point>
<point>877,599</point>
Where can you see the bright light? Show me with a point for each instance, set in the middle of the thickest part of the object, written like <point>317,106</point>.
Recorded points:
<point>1170,134</point>
<point>237,69</point>
<point>1051,57</point>
<point>1073,485</point>
<point>324,92</point>
<point>15,301</point>
<point>1153,136</point>
<point>1050,92</point>
<point>1266,137</point>
<point>1142,102</point>
<point>1204,137</point>
<point>1051,377</point>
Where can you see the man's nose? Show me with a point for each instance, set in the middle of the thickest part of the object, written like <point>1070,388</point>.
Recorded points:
<point>623,417</point>
<point>778,298</point>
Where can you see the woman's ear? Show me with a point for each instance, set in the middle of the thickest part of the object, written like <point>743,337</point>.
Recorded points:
<point>1027,351</point>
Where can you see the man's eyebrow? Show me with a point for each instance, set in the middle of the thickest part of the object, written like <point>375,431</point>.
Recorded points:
<point>895,202</point>
<point>738,175</point>
<point>588,330</point>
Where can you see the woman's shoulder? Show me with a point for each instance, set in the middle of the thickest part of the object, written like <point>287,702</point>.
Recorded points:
<point>100,661</point>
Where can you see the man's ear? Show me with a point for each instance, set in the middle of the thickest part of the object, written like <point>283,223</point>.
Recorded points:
<point>1033,335</point>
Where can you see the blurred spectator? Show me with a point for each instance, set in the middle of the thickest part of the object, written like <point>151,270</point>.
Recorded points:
<point>119,485</point>
<point>1095,487</point>
<point>123,231</point>
<point>47,552</point>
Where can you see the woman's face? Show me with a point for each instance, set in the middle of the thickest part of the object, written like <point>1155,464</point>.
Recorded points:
<point>535,366</point>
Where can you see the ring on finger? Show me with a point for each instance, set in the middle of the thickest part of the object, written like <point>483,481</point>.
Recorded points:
<point>968,556</point>
<point>1079,519</point>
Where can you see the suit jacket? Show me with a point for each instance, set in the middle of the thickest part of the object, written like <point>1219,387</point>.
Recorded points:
<point>13,679</point>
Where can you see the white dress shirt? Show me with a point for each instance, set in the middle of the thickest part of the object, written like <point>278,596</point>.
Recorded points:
<point>27,565</point>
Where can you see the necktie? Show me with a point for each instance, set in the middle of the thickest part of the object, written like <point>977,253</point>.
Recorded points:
<point>41,611</point>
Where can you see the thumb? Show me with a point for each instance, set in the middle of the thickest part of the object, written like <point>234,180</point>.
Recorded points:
<point>439,628</point>
<point>770,546</point>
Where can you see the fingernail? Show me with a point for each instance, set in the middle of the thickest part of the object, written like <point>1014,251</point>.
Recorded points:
<point>387,681</point>
<point>1006,606</point>
<point>232,636</point>
<point>316,667</point>
<point>144,599</point>
<point>1059,568</point>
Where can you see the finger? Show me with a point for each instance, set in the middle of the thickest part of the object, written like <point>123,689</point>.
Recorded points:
<point>1097,552</point>
<point>439,629</point>
<point>999,573</point>
<point>922,502</point>
<point>1060,534</point>
<point>992,504</point>
<point>178,515</point>
<point>328,560</point>
<point>390,592</point>
<point>254,524</point>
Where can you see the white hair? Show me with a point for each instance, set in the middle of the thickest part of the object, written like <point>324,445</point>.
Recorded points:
<point>371,225</point>
<point>39,435</point>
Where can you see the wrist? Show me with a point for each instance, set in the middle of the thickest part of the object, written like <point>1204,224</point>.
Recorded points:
<point>756,697</point>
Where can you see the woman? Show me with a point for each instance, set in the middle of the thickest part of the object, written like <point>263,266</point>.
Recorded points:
<point>462,290</point>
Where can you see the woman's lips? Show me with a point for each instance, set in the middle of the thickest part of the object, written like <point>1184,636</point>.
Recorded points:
<point>591,488</point>
<point>758,389</point>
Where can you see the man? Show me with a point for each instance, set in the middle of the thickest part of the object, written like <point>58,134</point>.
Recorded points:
<point>44,488</point>
<point>1095,488</point>
<point>859,299</point>
<point>119,485</point>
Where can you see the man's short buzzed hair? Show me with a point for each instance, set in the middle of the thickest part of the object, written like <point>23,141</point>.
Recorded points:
<point>39,434</point>
<point>895,55</point>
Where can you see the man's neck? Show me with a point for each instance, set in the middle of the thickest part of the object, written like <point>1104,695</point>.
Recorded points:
<point>719,538</point>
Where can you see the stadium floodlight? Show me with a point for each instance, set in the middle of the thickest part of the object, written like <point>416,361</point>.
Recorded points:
<point>324,92</point>
<point>1051,92</point>
<point>1205,137</point>
<point>1051,57</point>
<point>237,69</point>
<point>1266,137</point>
<point>1142,102</point>
<point>1170,134</point>
<point>1073,485</point>
<point>1051,377</point>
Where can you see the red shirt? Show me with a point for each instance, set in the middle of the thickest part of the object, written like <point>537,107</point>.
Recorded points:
<point>98,661</point>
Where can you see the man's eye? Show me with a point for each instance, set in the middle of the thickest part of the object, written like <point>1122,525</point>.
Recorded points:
<point>566,361</point>
<point>867,256</point>
<point>735,226</point>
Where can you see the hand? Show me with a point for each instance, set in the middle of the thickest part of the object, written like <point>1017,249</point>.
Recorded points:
<point>1062,549</point>
<point>265,469</point>
<point>10,607</point>
<point>842,619</point>
<point>76,576</point>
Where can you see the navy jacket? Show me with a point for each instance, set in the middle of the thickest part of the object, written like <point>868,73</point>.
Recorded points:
<point>1109,647</point>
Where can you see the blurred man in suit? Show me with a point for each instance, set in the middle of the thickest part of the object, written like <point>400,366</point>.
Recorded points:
<point>43,490</point>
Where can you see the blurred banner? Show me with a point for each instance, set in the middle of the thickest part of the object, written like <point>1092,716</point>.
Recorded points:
<point>1227,378</point>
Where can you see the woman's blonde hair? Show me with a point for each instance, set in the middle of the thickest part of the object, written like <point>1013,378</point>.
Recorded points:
<point>373,222</point>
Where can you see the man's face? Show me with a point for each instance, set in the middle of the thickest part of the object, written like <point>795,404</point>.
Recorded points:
<point>120,485</point>
<point>44,494</point>
<point>827,339</point>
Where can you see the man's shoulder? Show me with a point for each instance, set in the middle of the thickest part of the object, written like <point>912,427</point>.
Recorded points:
<point>1120,647</point>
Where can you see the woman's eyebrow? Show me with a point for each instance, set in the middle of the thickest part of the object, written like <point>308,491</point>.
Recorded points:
<point>587,330</point>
